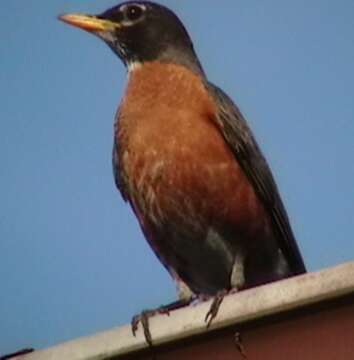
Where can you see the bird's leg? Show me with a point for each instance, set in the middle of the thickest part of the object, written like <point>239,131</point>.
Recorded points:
<point>214,308</point>
<point>215,305</point>
<point>237,280</point>
<point>145,315</point>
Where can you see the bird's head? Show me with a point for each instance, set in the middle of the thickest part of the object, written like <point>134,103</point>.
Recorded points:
<point>140,31</point>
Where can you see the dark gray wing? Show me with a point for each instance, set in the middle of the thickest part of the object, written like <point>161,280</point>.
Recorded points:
<point>118,173</point>
<point>239,137</point>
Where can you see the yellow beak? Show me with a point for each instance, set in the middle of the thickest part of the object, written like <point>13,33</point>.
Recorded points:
<point>88,22</point>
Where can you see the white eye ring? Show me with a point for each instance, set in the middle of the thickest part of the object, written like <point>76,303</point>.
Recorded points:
<point>132,12</point>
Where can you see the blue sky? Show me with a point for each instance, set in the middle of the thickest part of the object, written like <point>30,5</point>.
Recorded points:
<point>72,258</point>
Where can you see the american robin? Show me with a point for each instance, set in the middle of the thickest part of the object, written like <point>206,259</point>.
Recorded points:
<point>187,163</point>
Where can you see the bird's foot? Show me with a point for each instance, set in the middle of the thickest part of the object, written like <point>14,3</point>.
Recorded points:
<point>145,315</point>
<point>143,318</point>
<point>214,308</point>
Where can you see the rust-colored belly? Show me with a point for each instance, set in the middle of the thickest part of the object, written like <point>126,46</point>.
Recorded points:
<point>173,155</point>
<point>181,177</point>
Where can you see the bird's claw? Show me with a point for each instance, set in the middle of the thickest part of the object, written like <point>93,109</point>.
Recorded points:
<point>214,308</point>
<point>143,318</point>
<point>145,315</point>
<point>134,324</point>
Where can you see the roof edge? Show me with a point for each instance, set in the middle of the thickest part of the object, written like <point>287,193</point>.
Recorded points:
<point>255,303</point>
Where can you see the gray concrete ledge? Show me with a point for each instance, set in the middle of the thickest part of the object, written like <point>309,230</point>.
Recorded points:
<point>237,308</point>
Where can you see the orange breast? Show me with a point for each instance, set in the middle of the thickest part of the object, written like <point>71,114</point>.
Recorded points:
<point>176,161</point>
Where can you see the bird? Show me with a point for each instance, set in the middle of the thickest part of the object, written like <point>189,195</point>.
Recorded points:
<point>187,162</point>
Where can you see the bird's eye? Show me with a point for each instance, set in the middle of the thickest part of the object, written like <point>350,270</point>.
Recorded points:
<point>133,12</point>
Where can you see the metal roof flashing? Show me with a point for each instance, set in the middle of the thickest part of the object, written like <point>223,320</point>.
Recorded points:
<point>242,307</point>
